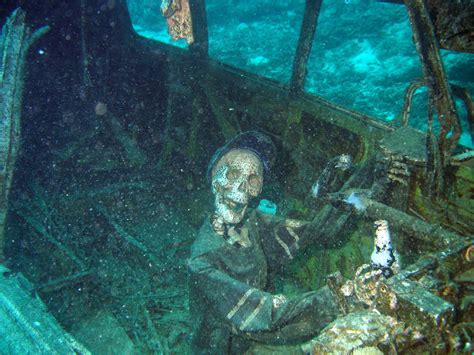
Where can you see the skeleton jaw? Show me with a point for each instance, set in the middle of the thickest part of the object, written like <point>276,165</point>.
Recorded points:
<point>231,211</point>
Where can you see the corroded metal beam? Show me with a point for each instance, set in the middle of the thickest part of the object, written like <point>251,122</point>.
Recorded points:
<point>454,23</point>
<point>15,40</point>
<point>305,43</point>
<point>435,76</point>
<point>410,91</point>
<point>431,234</point>
<point>465,97</point>
<point>200,32</point>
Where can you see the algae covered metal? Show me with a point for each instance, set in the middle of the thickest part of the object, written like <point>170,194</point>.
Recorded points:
<point>15,40</point>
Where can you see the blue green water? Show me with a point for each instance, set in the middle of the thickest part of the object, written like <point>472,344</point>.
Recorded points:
<point>362,58</point>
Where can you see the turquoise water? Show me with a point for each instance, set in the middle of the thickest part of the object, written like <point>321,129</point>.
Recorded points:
<point>363,56</point>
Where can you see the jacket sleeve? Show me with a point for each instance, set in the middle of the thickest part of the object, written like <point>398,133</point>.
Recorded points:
<point>282,239</point>
<point>256,314</point>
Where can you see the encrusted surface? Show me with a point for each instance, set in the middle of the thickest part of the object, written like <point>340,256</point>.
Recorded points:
<point>356,331</point>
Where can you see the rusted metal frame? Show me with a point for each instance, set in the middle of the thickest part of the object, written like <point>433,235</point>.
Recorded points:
<point>433,167</point>
<point>434,73</point>
<point>431,234</point>
<point>200,46</point>
<point>15,41</point>
<point>458,91</point>
<point>297,96</point>
<point>409,93</point>
<point>305,43</point>
<point>453,23</point>
<point>463,95</point>
<point>434,235</point>
<point>198,50</point>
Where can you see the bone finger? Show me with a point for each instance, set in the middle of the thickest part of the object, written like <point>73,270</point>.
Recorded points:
<point>397,157</point>
<point>395,171</point>
<point>399,164</point>
<point>397,179</point>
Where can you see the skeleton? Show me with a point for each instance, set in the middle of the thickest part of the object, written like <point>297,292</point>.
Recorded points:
<point>259,241</point>
<point>234,299</point>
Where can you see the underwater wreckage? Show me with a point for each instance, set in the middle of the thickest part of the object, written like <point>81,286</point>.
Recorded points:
<point>110,120</point>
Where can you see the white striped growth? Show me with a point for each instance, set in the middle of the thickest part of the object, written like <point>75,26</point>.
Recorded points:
<point>382,257</point>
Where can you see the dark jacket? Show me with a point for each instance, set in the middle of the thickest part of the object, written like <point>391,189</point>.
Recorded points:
<point>229,302</point>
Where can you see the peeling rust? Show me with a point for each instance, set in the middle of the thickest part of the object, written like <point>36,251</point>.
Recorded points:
<point>439,89</point>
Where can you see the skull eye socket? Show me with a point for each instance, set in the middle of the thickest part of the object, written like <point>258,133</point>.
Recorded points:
<point>255,181</point>
<point>232,174</point>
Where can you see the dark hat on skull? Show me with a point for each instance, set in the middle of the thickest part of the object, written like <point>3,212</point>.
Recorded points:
<point>257,142</point>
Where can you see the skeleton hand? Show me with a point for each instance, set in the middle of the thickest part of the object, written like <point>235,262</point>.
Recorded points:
<point>397,169</point>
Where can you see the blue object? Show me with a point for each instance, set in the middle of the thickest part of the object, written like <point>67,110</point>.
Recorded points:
<point>354,200</point>
<point>268,207</point>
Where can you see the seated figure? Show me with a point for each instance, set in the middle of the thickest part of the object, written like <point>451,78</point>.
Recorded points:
<point>236,251</point>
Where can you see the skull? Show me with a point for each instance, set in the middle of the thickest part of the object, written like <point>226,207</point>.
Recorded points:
<point>236,178</point>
